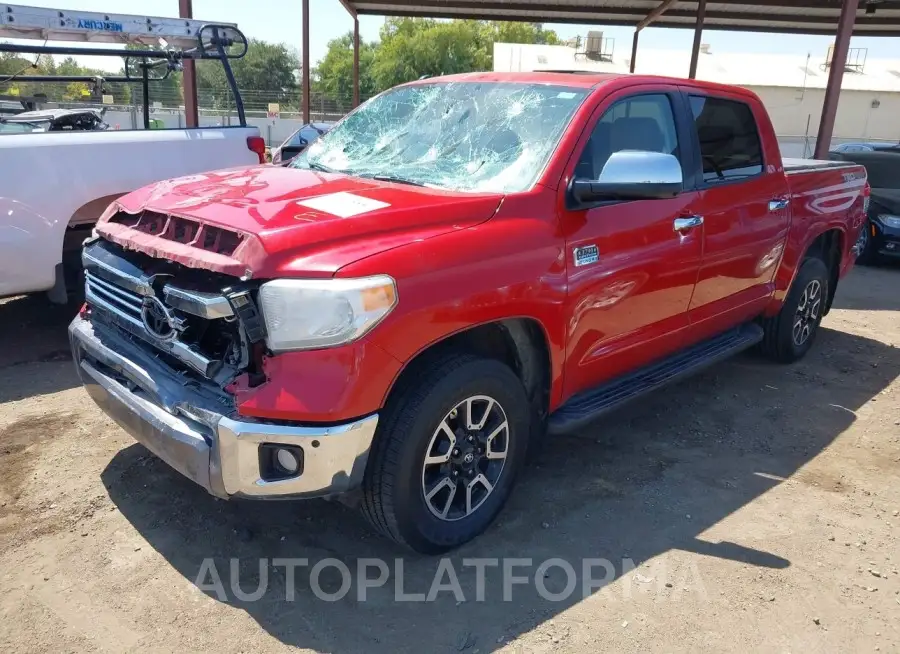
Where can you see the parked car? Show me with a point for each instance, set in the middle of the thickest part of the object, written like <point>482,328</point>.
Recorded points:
<point>56,120</point>
<point>299,141</point>
<point>880,239</point>
<point>844,148</point>
<point>462,269</point>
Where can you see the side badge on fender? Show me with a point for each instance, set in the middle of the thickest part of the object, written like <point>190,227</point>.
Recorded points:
<point>586,254</point>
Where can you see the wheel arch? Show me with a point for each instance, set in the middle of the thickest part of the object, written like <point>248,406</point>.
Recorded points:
<point>522,343</point>
<point>828,247</point>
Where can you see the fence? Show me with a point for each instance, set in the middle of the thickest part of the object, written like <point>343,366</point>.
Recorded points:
<point>273,130</point>
<point>276,130</point>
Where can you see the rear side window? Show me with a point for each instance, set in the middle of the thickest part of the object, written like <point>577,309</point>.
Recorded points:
<point>729,141</point>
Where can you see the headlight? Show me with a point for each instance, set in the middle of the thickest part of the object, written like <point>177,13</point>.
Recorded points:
<point>889,220</point>
<point>302,314</point>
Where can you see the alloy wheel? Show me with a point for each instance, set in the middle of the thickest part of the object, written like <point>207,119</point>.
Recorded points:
<point>465,458</point>
<point>807,314</point>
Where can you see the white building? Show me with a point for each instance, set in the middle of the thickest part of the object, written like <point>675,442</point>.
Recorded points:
<point>792,87</point>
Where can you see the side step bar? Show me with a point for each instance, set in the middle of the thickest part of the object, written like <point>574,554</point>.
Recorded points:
<point>585,407</point>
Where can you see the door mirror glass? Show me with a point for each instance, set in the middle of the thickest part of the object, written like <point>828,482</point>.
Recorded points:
<point>633,175</point>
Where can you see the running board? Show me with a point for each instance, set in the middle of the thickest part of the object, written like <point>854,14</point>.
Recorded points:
<point>589,405</point>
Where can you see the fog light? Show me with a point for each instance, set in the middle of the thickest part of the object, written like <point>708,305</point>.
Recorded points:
<point>279,461</point>
<point>287,461</point>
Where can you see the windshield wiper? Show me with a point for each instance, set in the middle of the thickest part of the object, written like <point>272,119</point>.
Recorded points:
<point>398,180</point>
<point>317,166</point>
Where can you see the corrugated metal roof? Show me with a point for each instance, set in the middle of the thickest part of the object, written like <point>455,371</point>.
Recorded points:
<point>794,16</point>
<point>796,71</point>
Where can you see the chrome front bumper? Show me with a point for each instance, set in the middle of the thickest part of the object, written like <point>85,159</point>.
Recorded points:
<point>185,428</point>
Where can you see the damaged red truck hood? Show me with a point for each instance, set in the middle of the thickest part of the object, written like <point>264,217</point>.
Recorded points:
<point>269,221</point>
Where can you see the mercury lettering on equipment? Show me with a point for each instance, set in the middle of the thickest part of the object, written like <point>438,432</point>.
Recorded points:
<point>101,25</point>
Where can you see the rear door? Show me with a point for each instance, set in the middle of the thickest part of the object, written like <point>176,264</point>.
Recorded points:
<point>630,274</point>
<point>743,200</point>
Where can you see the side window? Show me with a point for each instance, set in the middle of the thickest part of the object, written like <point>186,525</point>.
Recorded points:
<point>642,122</point>
<point>305,133</point>
<point>309,133</point>
<point>729,141</point>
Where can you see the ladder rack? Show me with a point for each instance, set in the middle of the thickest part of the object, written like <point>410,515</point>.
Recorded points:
<point>21,22</point>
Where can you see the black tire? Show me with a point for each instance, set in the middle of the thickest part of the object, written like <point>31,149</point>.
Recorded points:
<point>393,499</point>
<point>867,253</point>
<point>779,342</point>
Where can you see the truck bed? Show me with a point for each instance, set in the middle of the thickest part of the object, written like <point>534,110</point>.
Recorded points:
<point>66,179</point>
<point>792,166</point>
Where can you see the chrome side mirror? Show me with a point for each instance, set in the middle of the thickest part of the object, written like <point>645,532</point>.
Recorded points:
<point>633,175</point>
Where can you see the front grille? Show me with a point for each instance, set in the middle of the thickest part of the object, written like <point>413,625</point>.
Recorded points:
<point>182,230</point>
<point>202,333</point>
<point>117,300</point>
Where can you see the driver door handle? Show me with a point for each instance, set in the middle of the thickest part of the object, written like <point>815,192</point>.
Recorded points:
<point>688,223</point>
<point>778,204</point>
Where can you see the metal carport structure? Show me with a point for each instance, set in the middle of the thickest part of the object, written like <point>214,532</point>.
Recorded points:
<point>840,18</point>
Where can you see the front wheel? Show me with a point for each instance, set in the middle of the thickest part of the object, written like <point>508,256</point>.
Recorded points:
<point>446,454</point>
<point>790,334</point>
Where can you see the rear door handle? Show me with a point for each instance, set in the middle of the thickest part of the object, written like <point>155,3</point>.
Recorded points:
<point>687,223</point>
<point>778,204</point>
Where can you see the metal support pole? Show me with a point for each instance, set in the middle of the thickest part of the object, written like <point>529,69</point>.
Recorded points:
<point>145,89</point>
<point>355,62</point>
<point>634,44</point>
<point>835,76</point>
<point>306,64</point>
<point>189,79</point>
<point>698,34</point>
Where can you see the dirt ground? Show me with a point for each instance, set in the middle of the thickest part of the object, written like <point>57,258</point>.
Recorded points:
<point>757,503</point>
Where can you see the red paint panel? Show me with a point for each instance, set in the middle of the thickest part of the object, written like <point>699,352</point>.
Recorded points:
<point>509,267</point>
<point>332,385</point>
<point>283,237</point>
<point>821,200</point>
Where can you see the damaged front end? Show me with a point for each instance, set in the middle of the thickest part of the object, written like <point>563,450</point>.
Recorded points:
<point>159,346</point>
<point>198,321</point>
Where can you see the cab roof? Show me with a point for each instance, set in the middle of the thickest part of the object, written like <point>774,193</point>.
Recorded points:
<point>579,79</point>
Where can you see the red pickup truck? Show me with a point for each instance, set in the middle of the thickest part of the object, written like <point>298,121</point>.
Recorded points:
<point>462,268</point>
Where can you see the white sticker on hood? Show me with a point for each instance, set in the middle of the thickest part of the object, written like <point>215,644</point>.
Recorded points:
<point>343,204</point>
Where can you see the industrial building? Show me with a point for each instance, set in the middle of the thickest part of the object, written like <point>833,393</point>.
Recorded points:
<point>791,86</point>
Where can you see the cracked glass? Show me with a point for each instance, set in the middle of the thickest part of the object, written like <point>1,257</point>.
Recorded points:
<point>461,136</point>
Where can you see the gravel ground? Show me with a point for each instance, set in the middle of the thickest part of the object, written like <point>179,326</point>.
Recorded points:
<point>752,508</point>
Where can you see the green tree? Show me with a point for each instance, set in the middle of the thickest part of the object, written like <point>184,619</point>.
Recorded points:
<point>412,47</point>
<point>509,32</point>
<point>334,73</point>
<point>267,73</point>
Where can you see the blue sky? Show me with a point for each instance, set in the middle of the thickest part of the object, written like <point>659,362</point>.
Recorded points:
<point>279,20</point>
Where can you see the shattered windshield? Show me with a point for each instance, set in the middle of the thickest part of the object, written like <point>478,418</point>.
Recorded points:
<point>464,136</point>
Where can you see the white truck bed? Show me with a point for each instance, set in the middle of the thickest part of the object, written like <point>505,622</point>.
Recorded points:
<point>53,181</point>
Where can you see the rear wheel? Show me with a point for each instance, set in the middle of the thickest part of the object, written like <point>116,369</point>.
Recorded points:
<point>446,454</point>
<point>790,334</point>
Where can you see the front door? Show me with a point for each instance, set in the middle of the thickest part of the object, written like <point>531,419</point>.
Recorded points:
<point>630,273</point>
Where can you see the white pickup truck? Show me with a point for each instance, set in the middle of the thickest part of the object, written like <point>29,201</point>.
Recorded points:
<point>54,185</point>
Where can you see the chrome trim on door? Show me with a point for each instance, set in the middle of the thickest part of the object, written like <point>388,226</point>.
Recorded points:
<point>687,223</point>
